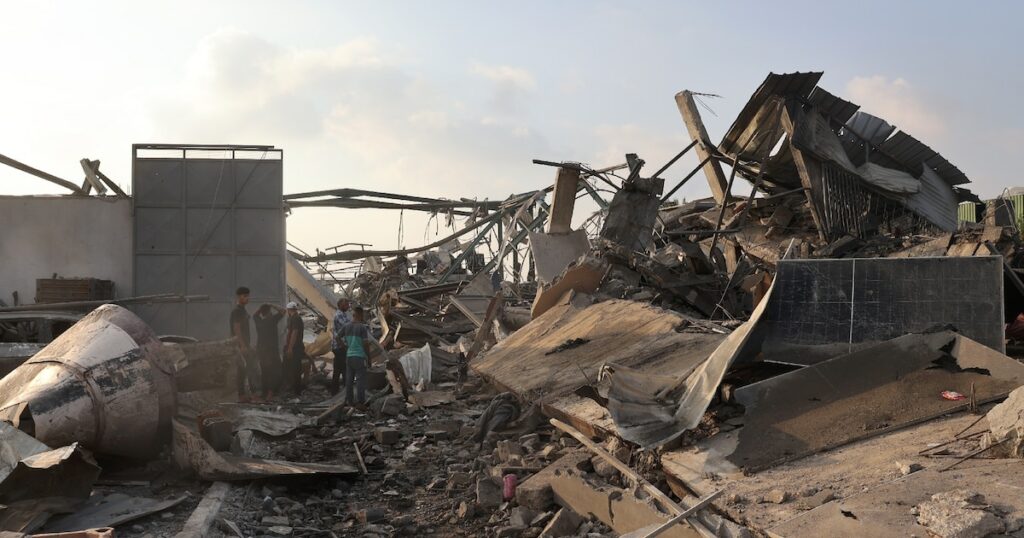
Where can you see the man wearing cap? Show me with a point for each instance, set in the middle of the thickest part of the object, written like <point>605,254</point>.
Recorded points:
<point>294,350</point>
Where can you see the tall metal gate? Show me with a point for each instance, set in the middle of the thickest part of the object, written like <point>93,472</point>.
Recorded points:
<point>207,219</point>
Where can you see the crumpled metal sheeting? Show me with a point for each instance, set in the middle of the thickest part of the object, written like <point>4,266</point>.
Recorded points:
<point>43,483</point>
<point>109,511</point>
<point>272,423</point>
<point>696,391</point>
<point>637,406</point>
<point>192,452</point>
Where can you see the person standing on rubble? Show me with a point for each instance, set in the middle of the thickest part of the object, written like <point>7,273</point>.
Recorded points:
<point>294,350</point>
<point>341,318</point>
<point>266,320</point>
<point>239,322</point>
<point>357,341</point>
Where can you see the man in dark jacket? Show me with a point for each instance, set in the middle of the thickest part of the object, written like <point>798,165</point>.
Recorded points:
<point>294,350</point>
<point>266,320</point>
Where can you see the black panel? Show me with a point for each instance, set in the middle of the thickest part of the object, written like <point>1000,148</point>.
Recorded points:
<point>821,308</point>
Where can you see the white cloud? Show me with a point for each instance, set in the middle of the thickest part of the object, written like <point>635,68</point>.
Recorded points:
<point>511,86</point>
<point>354,115</point>
<point>898,102</point>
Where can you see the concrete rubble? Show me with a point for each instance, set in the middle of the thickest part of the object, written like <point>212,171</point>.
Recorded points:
<point>817,355</point>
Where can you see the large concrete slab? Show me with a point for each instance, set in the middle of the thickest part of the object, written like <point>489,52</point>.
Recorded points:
<point>532,364</point>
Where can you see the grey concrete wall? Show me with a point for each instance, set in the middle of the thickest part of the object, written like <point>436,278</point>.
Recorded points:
<point>70,236</point>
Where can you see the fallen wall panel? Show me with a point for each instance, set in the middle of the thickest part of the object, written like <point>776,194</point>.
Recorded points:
<point>824,308</point>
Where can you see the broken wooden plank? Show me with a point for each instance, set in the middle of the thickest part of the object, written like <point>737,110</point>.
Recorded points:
<point>199,523</point>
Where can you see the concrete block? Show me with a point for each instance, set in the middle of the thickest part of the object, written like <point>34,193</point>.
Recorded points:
<point>535,492</point>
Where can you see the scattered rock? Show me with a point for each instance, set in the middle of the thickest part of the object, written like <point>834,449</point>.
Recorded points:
<point>814,501</point>
<point>509,532</point>
<point>521,516</point>
<point>564,523</point>
<point>507,449</point>
<point>392,405</point>
<point>437,435</point>
<point>807,491</point>
<point>488,493</point>
<point>279,530</point>
<point>734,498</point>
<point>530,442</point>
<point>603,468</point>
<point>907,468</point>
<point>387,436</point>
<point>465,510</point>
<point>371,515</point>
<point>535,492</point>
<point>460,479</point>
<point>550,452</point>
<point>958,514</point>
<point>270,521</point>
<point>777,496</point>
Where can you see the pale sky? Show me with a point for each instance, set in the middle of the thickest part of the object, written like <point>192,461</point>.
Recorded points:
<point>454,99</point>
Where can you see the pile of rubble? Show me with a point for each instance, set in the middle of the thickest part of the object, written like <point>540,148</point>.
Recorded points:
<point>814,354</point>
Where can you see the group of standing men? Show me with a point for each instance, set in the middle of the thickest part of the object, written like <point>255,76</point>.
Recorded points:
<point>350,343</point>
<point>263,365</point>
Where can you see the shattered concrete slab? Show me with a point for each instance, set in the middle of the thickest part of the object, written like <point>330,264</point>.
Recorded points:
<point>1006,423</point>
<point>926,503</point>
<point>582,277</point>
<point>553,253</point>
<point>866,392</point>
<point>621,509</point>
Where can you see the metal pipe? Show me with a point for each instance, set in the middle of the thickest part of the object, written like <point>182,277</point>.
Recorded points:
<point>683,182</point>
<point>674,159</point>
<point>725,200</point>
<point>162,298</point>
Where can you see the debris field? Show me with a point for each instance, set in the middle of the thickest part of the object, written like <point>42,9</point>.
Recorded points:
<point>825,346</point>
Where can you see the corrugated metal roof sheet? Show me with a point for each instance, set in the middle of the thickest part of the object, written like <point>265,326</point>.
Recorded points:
<point>911,152</point>
<point>870,127</point>
<point>935,201</point>
<point>831,106</point>
<point>784,85</point>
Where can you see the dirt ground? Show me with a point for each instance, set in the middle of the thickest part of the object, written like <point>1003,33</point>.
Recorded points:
<point>840,473</point>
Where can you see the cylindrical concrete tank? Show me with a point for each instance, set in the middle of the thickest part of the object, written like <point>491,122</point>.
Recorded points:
<point>104,383</point>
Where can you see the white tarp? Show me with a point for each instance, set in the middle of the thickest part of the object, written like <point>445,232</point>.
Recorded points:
<point>418,365</point>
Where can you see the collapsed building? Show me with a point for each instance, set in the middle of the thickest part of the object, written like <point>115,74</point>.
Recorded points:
<point>816,353</point>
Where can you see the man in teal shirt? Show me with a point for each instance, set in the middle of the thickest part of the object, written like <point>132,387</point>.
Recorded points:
<point>357,340</point>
